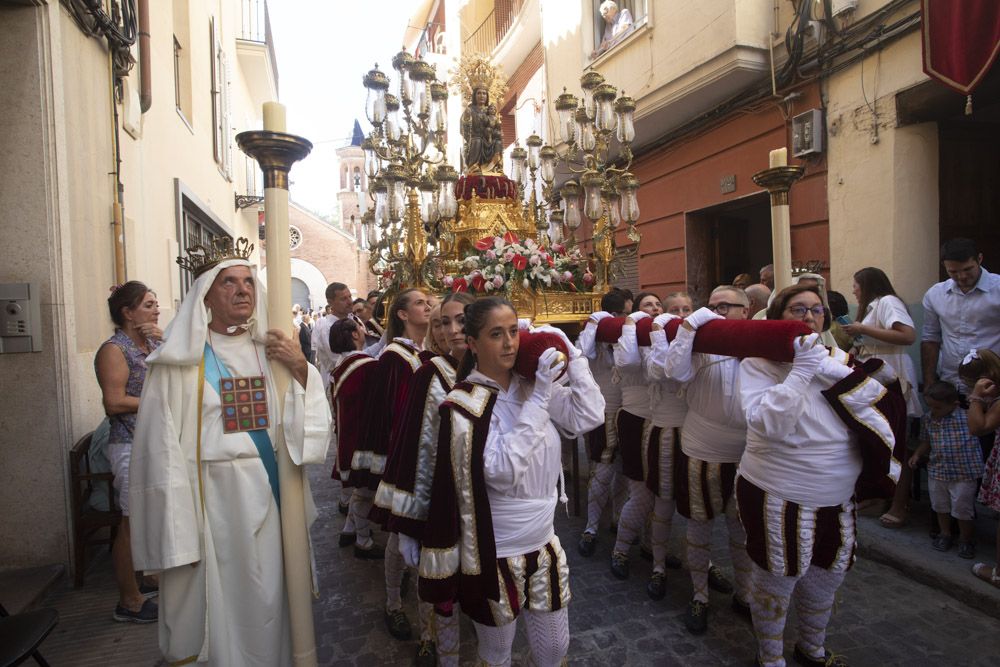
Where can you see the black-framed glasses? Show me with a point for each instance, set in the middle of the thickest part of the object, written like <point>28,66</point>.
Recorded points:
<point>723,308</point>
<point>800,311</point>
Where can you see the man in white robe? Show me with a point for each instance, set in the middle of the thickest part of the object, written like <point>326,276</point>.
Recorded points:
<point>204,503</point>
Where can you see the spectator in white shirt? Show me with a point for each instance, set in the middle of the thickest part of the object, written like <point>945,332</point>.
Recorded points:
<point>960,314</point>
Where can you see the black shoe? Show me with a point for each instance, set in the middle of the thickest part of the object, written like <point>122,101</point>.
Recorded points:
<point>966,549</point>
<point>342,508</point>
<point>742,609</point>
<point>646,552</point>
<point>828,660</point>
<point>673,562</point>
<point>149,591</point>
<point>374,552</point>
<point>696,617</point>
<point>718,582</point>
<point>148,613</point>
<point>619,564</point>
<point>398,625</point>
<point>347,539</point>
<point>427,655</point>
<point>657,586</point>
<point>587,545</point>
<point>942,542</point>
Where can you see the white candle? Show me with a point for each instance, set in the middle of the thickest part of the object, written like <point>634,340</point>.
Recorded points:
<point>778,157</point>
<point>274,116</point>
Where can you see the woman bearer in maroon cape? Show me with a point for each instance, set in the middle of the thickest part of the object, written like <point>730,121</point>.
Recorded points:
<point>819,433</point>
<point>489,541</point>
<point>410,471</point>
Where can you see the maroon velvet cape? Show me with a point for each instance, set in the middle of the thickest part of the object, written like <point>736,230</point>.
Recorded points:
<point>384,399</point>
<point>410,468</point>
<point>348,384</point>
<point>458,561</point>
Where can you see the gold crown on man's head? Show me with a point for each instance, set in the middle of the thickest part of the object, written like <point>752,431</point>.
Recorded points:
<point>201,258</point>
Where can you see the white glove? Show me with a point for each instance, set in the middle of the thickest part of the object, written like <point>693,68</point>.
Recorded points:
<point>809,354</point>
<point>662,319</point>
<point>599,315</point>
<point>637,315</point>
<point>523,323</point>
<point>834,370</point>
<point>409,549</point>
<point>700,317</point>
<point>549,368</point>
<point>548,328</point>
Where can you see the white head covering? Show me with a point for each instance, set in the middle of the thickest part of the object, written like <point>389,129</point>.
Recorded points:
<point>185,336</point>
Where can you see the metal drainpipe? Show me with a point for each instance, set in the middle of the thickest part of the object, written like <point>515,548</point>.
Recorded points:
<point>145,75</point>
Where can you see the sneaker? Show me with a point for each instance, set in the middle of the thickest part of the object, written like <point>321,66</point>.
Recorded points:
<point>587,545</point>
<point>427,655</point>
<point>657,586</point>
<point>742,609</point>
<point>374,552</point>
<point>149,591</point>
<point>673,562</point>
<point>966,549</point>
<point>397,624</point>
<point>828,660</point>
<point>342,508</point>
<point>718,582</point>
<point>619,565</point>
<point>696,617</point>
<point>347,539</point>
<point>148,613</point>
<point>942,543</point>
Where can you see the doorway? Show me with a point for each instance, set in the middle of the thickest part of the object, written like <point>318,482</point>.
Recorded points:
<point>300,294</point>
<point>726,240</point>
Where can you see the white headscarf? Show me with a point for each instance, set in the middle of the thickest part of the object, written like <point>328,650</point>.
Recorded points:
<point>185,336</point>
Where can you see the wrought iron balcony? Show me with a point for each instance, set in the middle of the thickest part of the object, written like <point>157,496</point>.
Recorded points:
<point>494,27</point>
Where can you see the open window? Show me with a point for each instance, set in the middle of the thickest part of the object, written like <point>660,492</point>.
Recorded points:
<point>614,20</point>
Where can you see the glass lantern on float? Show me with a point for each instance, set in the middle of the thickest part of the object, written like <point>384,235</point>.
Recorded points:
<point>594,135</point>
<point>411,184</point>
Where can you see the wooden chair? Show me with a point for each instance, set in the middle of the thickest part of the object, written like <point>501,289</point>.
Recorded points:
<point>87,521</point>
<point>21,634</point>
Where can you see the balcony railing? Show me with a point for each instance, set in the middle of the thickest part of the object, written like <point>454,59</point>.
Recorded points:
<point>256,27</point>
<point>494,27</point>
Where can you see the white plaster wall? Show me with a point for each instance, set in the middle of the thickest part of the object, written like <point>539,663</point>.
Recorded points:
<point>883,187</point>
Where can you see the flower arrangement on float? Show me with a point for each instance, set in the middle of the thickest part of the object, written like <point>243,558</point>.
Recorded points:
<point>499,263</point>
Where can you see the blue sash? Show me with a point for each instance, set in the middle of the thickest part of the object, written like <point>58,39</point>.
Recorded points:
<point>213,373</point>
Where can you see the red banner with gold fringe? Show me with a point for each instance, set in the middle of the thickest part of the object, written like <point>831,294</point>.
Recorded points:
<point>961,40</point>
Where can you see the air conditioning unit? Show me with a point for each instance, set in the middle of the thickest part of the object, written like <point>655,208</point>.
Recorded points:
<point>807,133</point>
<point>838,7</point>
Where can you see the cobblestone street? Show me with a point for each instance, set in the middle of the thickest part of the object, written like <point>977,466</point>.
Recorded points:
<point>882,618</point>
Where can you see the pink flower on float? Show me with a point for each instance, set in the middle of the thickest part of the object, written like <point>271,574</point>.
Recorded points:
<point>448,281</point>
<point>567,276</point>
<point>558,248</point>
<point>535,260</point>
<point>508,256</point>
<point>491,254</point>
<point>498,281</point>
<point>588,278</point>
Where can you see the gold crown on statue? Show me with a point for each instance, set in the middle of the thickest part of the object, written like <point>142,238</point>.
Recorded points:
<point>201,258</point>
<point>475,71</point>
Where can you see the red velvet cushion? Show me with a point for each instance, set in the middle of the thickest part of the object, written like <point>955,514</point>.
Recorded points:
<point>532,345</point>
<point>769,339</point>
<point>485,187</point>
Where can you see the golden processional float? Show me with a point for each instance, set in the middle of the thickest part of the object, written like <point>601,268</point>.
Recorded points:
<point>482,231</point>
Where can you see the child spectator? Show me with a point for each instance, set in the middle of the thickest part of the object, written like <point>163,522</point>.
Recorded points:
<point>981,372</point>
<point>956,462</point>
